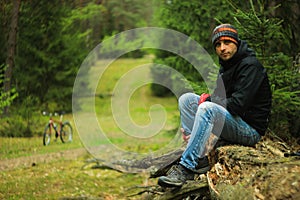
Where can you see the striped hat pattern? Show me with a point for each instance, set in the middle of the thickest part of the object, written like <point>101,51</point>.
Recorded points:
<point>225,32</point>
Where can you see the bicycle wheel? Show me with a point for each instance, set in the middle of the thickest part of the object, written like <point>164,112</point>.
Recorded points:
<point>47,135</point>
<point>66,134</point>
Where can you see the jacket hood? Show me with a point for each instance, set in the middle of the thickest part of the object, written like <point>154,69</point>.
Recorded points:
<point>242,52</point>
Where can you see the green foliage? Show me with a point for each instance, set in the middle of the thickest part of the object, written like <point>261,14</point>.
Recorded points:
<point>54,37</point>
<point>259,28</point>
<point>45,67</point>
<point>83,25</point>
<point>6,98</point>
<point>25,121</point>
<point>125,15</point>
<point>122,43</point>
<point>193,18</point>
<point>288,12</point>
<point>15,127</point>
<point>285,79</point>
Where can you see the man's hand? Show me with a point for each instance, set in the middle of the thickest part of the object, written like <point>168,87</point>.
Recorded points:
<point>184,137</point>
<point>203,98</point>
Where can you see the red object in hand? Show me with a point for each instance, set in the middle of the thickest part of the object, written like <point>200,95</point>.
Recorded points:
<point>203,97</point>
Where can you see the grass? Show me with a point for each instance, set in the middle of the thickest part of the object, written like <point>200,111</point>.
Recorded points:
<point>139,103</point>
<point>66,178</point>
<point>19,147</point>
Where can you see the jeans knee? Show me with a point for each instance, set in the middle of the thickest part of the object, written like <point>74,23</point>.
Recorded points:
<point>185,99</point>
<point>207,105</point>
<point>211,108</point>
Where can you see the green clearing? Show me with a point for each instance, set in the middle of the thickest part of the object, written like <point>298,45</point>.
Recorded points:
<point>65,177</point>
<point>140,102</point>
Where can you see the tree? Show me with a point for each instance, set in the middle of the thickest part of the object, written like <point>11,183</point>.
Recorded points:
<point>289,11</point>
<point>12,43</point>
<point>49,53</point>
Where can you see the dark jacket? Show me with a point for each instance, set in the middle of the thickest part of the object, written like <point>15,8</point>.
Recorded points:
<point>247,91</point>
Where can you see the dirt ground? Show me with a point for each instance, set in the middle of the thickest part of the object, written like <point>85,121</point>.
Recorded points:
<point>29,161</point>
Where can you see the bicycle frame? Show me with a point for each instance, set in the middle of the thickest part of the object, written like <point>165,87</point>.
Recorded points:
<point>63,129</point>
<point>52,124</point>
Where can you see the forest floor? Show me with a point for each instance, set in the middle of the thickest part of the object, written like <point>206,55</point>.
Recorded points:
<point>29,161</point>
<point>64,175</point>
<point>238,172</point>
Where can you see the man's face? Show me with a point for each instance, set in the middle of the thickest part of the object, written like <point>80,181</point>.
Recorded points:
<point>225,49</point>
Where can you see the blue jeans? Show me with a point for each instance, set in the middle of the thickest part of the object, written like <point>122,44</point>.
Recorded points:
<point>201,121</point>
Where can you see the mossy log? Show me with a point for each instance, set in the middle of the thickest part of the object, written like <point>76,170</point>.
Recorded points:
<point>238,172</point>
<point>255,173</point>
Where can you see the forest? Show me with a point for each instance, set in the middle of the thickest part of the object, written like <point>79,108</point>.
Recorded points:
<point>45,48</point>
<point>44,43</point>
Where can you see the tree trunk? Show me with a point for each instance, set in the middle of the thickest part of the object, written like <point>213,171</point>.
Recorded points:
<point>11,49</point>
<point>268,171</point>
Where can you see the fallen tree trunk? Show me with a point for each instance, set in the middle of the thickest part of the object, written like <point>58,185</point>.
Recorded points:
<point>255,173</point>
<point>241,172</point>
<point>238,172</point>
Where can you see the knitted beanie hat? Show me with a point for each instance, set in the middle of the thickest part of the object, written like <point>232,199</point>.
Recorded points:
<point>225,32</point>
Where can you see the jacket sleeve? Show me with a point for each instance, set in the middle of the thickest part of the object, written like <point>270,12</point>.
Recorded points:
<point>246,81</point>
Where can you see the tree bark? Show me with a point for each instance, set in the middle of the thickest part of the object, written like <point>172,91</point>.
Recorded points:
<point>11,49</point>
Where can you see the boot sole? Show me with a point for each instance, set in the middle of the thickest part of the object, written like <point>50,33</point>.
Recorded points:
<point>164,183</point>
<point>202,170</point>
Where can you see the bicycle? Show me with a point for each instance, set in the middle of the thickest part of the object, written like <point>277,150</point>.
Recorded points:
<point>62,129</point>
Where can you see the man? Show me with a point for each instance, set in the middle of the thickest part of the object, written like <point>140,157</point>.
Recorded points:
<point>236,112</point>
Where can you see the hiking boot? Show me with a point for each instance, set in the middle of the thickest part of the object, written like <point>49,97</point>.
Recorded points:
<point>176,176</point>
<point>203,166</point>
